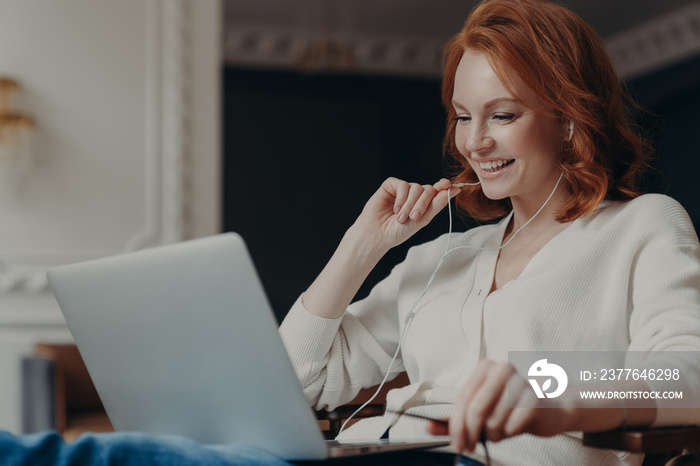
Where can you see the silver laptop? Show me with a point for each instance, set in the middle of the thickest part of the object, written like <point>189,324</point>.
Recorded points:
<point>181,340</point>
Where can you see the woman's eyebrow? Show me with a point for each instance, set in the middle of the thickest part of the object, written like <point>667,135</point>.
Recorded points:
<point>499,100</point>
<point>489,103</point>
<point>456,104</point>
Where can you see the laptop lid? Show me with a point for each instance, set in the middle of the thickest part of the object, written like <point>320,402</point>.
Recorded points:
<point>181,340</point>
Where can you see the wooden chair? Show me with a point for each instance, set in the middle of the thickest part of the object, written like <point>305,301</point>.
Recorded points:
<point>58,393</point>
<point>331,422</point>
<point>672,446</point>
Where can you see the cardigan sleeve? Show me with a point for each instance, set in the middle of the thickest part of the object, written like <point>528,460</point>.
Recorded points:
<point>666,306</point>
<point>335,358</point>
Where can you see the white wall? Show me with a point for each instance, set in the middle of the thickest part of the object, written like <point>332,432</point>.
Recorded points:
<point>127,146</point>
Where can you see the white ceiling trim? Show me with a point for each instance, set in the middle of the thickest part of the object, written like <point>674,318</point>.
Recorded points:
<point>645,48</point>
<point>262,46</point>
<point>657,43</point>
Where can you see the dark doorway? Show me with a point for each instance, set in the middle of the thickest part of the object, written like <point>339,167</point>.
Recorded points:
<point>303,153</point>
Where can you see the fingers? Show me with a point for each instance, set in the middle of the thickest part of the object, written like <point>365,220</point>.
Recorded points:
<point>412,201</point>
<point>398,209</point>
<point>483,397</point>
<point>402,191</point>
<point>520,419</point>
<point>438,428</point>
<point>498,425</point>
<point>498,403</point>
<point>536,416</point>
<point>464,408</point>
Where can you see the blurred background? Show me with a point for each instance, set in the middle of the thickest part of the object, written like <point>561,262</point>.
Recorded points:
<point>324,99</point>
<point>136,123</point>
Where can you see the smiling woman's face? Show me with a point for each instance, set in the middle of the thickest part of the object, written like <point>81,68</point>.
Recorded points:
<point>512,146</point>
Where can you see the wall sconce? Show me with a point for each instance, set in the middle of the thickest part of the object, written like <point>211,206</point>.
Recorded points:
<point>15,141</point>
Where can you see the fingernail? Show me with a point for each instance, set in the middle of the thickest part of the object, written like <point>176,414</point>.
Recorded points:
<point>415,215</point>
<point>402,218</point>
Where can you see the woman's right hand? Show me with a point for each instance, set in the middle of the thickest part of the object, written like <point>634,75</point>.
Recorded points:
<point>399,209</point>
<point>395,212</point>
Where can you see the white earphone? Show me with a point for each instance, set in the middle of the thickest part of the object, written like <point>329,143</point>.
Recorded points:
<point>459,185</point>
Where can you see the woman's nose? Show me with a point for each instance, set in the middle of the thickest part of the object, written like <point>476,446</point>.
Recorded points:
<point>478,139</point>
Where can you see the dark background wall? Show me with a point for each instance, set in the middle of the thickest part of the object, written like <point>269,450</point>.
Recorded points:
<point>672,98</point>
<point>303,153</point>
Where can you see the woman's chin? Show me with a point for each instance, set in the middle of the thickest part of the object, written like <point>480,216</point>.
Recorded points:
<point>494,194</point>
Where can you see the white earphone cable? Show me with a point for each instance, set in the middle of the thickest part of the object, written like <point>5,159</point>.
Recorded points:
<point>411,314</point>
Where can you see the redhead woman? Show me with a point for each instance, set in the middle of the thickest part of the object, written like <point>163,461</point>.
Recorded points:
<point>574,259</point>
<point>579,261</point>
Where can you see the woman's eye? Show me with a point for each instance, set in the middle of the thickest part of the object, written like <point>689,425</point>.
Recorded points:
<point>463,118</point>
<point>503,116</point>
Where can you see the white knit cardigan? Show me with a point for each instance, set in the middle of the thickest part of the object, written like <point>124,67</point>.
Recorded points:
<point>625,277</point>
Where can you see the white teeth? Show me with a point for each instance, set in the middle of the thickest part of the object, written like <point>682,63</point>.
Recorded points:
<point>493,164</point>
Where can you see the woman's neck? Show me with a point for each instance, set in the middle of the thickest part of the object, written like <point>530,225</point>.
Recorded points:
<point>540,211</point>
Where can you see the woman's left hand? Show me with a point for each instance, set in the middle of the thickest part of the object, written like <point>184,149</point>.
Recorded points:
<point>498,403</point>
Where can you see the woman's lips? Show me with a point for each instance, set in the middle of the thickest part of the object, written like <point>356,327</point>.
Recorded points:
<point>494,168</point>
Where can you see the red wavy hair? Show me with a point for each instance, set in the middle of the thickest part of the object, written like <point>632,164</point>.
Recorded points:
<point>562,60</point>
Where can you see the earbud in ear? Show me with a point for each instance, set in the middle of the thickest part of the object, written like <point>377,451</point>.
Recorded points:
<point>571,130</point>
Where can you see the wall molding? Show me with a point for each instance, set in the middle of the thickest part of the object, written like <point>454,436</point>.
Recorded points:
<point>658,43</point>
<point>263,46</point>
<point>169,135</point>
<point>640,50</point>
<point>167,153</point>
<point>177,109</point>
